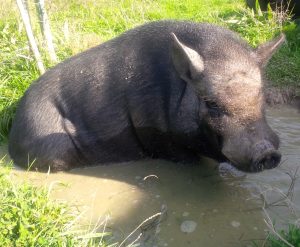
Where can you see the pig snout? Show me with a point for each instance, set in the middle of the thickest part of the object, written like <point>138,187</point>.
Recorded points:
<point>265,156</point>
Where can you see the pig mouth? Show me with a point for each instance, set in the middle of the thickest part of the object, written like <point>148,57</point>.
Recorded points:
<point>267,160</point>
<point>262,155</point>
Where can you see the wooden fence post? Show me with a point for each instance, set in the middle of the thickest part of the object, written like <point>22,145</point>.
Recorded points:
<point>45,27</point>
<point>26,21</point>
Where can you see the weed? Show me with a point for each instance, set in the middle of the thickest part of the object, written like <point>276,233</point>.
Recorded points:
<point>28,217</point>
<point>285,238</point>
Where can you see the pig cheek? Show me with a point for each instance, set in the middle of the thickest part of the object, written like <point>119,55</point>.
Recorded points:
<point>235,144</point>
<point>218,124</point>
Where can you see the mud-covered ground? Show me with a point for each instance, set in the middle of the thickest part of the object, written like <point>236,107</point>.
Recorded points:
<point>280,96</point>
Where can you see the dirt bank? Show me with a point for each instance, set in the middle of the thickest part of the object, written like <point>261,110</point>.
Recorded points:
<point>278,96</point>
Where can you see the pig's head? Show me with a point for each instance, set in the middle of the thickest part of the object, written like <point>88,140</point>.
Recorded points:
<point>227,76</point>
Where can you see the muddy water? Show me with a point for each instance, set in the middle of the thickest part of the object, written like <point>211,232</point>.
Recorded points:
<point>205,205</point>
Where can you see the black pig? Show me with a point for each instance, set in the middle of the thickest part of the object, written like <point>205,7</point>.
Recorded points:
<point>168,89</point>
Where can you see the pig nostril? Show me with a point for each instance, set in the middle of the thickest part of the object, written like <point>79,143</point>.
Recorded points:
<point>269,160</point>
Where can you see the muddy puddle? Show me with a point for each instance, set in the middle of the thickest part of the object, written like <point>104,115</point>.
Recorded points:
<point>205,205</point>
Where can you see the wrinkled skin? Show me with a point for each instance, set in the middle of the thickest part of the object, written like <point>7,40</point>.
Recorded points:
<point>172,90</point>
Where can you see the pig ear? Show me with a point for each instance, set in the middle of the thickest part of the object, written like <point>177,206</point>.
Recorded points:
<point>188,63</point>
<point>265,51</point>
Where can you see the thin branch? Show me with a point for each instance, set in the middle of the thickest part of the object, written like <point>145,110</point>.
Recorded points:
<point>33,45</point>
<point>145,221</point>
<point>269,223</point>
<point>45,27</point>
<point>135,241</point>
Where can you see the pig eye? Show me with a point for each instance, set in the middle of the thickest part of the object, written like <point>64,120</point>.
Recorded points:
<point>214,109</point>
<point>211,104</point>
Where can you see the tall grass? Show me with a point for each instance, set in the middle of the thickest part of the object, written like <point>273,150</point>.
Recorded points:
<point>291,236</point>
<point>28,217</point>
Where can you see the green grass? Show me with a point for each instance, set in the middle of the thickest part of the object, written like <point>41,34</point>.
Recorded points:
<point>292,236</point>
<point>29,218</point>
<point>284,69</point>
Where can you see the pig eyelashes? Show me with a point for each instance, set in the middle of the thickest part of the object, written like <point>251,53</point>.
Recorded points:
<point>211,104</point>
<point>214,109</point>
